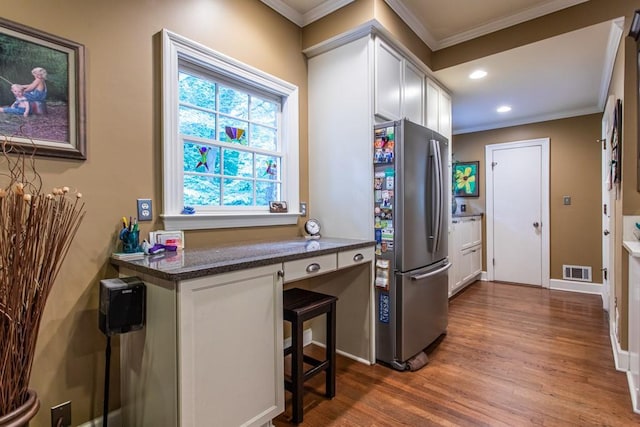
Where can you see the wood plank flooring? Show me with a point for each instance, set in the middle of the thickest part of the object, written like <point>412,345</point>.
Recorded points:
<point>513,356</point>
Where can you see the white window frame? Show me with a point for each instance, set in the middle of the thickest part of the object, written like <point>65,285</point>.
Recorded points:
<point>176,49</point>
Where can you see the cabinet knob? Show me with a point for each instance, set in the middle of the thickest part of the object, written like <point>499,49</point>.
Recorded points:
<point>312,268</point>
<point>606,232</point>
<point>280,273</point>
<point>358,257</point>
<point>536,224</point>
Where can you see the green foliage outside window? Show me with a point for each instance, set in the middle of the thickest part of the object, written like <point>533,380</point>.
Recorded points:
<point>231,151</point>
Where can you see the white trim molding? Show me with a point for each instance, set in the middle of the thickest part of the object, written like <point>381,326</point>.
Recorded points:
<point>620,356</point>
<point>177,49</point>
<point>430,40</point>
<point>544,144</point>
<point>572,286</point>
<point>615,34</point>
<point>305,18</point>
<point>114,419</point>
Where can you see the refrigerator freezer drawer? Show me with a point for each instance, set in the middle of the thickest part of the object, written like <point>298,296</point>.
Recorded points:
<point>308,267</point>
<point>423,308</point>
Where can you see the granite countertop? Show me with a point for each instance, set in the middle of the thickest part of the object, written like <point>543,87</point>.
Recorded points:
<point>192,263</point>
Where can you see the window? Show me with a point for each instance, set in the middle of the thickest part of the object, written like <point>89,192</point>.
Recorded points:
<point>230,140</point>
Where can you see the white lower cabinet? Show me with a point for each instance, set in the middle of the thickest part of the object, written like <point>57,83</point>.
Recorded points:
<point>211,352</point>
<point>466,251</point>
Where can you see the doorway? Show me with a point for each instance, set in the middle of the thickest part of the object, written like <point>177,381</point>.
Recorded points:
<point>518,235</point>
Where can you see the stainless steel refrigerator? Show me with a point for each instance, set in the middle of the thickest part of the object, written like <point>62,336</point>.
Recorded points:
<point>411,189</point>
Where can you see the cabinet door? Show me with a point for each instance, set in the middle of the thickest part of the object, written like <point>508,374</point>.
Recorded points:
<point>413,94</point>
<point>388,81</point>
<point>476,230</point>
<point>475,262</point>
<point>433,106</point>
<point>230,348</point>
<point>464,232</point>
<point>444,114</point>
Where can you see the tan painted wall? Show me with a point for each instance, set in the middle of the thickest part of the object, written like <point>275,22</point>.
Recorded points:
<point>123,128</point>
<point>575,171</point>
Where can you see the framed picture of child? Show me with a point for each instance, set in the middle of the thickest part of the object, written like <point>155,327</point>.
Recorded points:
<point>42,103</point>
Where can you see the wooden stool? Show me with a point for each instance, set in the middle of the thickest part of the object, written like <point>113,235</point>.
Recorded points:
<point>300,305</point>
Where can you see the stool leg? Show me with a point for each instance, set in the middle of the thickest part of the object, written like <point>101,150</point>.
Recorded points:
<point>297,371</point>
<point>330,373</point>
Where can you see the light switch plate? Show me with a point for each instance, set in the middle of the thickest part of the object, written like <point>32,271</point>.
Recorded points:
<point>144,210</point>
<point>566,200</point>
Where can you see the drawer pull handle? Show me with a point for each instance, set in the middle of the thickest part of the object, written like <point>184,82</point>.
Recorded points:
<point>358,257</point>
<point>280,273</point>
<point>312,268</point>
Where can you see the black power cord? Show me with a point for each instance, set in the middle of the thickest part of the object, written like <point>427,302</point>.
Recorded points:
<point>107,365</point>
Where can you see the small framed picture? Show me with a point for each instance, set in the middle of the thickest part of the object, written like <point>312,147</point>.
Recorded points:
<point>278,207</point>
<point>465,179</point>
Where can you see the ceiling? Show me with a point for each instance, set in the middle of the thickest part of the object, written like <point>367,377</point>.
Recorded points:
<point>564,76</point>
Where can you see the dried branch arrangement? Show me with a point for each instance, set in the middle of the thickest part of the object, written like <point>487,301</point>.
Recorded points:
<point>36,230</point>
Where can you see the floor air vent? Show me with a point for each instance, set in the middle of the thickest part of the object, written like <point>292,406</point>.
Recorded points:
<point>576,272</point>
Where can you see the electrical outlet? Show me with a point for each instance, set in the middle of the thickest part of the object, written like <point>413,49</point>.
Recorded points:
<point>61,415</point>
<point>144,210</point>
<point>566,200</point>
<point>303,209</point>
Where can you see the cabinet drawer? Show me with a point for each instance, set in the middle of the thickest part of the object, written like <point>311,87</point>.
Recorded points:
<point>354,256</point>
<point>307,267</point>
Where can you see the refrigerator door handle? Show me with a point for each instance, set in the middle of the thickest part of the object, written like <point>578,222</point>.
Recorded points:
<point>432,273</point>
<point>437,217</point>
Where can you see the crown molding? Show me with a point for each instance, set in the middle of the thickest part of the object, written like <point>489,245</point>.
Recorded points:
<point>414,23</point>
<point>421,31</point>
<point>509,21</point>
<point>615,35</point>
<point>529,120</point>
<point>324,9</point>
<point>320,11</point>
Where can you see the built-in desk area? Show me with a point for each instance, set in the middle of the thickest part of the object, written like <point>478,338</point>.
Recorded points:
<point>211,352</point>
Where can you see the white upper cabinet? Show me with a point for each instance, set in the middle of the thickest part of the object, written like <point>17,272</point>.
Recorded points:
<point>433,105</point>
<point>388,81</point>
<point>438,109</point>
<point>413,93</point>
<point>444,114</point>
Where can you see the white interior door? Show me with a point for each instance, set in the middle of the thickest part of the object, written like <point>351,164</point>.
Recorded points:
<point>518,212</point>
<point>608,205</point>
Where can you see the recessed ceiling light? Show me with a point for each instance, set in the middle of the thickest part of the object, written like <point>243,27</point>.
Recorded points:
<point>477,74</point>
<point>503,109</point>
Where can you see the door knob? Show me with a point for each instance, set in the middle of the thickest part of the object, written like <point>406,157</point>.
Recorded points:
<point>605,232</point>
<point>536,224</point>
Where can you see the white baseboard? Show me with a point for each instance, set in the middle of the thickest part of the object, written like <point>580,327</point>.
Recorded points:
<point>634,393</point>
<point>345,354</point>
<point>114,420</point>
<point>621,357</point>
<point>573,286</point>
<point>307,338</point>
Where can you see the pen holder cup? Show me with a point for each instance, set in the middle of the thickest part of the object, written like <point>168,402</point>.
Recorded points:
<point>130,241</point>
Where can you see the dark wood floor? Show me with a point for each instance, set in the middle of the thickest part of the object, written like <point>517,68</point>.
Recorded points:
<point>513,356</point>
